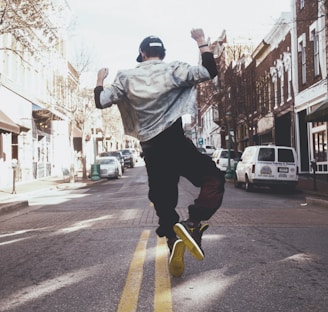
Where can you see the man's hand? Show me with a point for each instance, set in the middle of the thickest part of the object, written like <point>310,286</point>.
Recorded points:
<point>198,35</point>
<point>102,74</point>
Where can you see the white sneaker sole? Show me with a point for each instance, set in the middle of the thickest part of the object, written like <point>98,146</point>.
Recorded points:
<point>176,262</point>
<point>190,243</point>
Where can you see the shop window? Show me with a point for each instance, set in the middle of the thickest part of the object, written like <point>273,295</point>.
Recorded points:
<point>320,146</point>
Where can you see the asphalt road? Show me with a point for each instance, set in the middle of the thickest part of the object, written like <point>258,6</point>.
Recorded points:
<point>95,249</point>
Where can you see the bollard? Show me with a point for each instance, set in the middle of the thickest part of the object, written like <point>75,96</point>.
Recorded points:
<point>95,172</point>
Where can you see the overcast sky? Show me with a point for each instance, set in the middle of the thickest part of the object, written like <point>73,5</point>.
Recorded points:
<point>113,30</point>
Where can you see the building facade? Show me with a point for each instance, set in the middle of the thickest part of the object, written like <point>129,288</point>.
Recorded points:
<point>279,95</point>
<point>309,57</point>
<point>271,109</point>
<point>38,90</point>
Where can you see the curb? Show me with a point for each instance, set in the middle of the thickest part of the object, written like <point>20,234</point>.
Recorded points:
<point>71,186</point>
<point>317,201</point>
<point>14,206</point>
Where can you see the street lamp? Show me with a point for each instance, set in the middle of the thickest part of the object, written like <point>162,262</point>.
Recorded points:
<point>95,168</point>
<point>228,174</point>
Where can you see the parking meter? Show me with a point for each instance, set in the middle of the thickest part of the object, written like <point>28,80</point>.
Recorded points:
<point>14,163</point>
<point>14,166</point>
<point>314,168</point>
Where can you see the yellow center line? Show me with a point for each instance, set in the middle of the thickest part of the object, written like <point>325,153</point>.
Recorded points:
<point>162,296</point>
<point>130,295</point>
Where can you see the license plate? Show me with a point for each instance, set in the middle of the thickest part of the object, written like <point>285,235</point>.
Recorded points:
<point>283,169</point>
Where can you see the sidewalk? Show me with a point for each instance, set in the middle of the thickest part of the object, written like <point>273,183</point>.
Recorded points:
<point>10,202</point>
<point>316,192</point>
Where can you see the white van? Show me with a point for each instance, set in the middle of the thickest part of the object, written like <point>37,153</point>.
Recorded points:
<point>267,165</point>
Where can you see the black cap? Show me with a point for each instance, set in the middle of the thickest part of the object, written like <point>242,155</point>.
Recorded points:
<point>149,42</point>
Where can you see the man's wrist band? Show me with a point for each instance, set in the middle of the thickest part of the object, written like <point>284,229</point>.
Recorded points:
<point>203,45</point>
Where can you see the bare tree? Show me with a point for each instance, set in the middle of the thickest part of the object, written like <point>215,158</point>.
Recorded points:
<point>112,123</point>
<point>82,58</point>
<point>82,120</point>
<point>32,23</point>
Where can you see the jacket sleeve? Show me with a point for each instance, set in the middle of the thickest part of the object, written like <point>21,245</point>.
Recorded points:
<point>209,63</point>
<point>97,92</point>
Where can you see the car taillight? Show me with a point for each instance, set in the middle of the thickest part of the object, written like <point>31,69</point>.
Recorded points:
<point>253,169</point>
<point>218,161</point>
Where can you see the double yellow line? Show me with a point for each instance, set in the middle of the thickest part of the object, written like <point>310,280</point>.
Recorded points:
<point>162,295</point>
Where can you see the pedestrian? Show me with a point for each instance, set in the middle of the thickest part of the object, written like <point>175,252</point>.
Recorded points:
<point>152,98</point>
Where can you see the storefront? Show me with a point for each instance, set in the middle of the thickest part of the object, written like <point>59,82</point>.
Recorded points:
<point>318,120</point>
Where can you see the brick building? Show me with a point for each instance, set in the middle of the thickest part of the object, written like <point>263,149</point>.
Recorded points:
<point>279,95</point>
<point>272,113</point>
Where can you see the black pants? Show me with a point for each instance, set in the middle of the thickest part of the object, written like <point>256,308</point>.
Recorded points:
<point>169,156</point>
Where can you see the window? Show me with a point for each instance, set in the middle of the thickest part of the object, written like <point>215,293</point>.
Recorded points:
<point>274,77</point>
<point>301,50</point>
<point>266,154</point>
<point>301,4</point>
<point>303,57</point>
<point>316,52</point>
<point>280,70</point>
<point>288,69</point>
<point>285,155</point>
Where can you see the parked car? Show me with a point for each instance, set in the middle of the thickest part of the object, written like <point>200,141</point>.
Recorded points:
<point>109,167</point>
<point>220,157</point>
<point>202,150</point>
<point>129,158</point>
<point>134,153</point>
<point>210,149</point>
<point>267,165</point>
<point>116,154</point>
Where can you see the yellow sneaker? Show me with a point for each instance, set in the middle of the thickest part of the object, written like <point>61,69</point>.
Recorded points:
<point>176,261</point>
<point>191,236</point>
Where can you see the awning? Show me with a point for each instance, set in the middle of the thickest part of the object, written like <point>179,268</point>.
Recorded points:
<point>7,125</point>
<point>245,139</point>
<point>320,113</point>
<point>23,128</point>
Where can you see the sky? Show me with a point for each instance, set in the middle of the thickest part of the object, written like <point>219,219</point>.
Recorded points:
<point>111,31</point>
